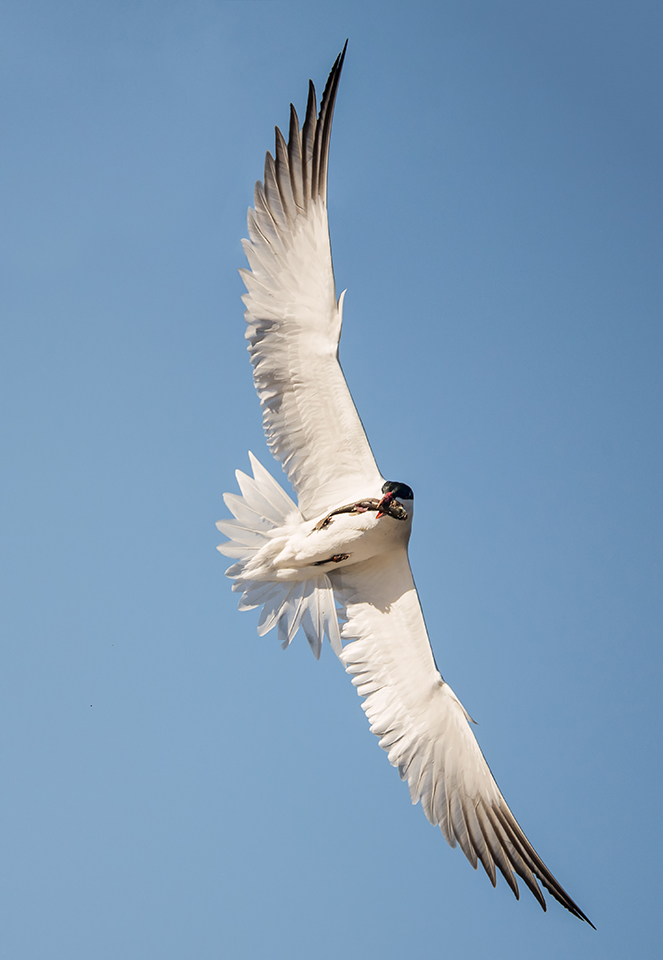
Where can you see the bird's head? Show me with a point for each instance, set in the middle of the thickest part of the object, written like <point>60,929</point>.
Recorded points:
<point>397,500</point>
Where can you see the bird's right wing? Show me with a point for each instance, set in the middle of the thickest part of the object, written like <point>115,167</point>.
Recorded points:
<point>294,321</point>
<point>423,726</point>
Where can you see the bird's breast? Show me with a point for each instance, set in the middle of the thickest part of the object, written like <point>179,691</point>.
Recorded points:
<point>316,547</point>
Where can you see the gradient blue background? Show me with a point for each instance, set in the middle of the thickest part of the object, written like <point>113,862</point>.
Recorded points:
<point>172,786</point>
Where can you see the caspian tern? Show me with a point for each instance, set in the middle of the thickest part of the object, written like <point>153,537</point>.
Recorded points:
<point>340,553</point>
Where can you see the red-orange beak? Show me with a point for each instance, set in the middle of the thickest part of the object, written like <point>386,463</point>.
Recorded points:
<point>388,497</point>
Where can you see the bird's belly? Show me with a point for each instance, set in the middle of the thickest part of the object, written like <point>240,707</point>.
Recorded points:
<point>346,539</point>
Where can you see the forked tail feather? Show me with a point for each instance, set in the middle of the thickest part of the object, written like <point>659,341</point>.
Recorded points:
<point>262,510</point>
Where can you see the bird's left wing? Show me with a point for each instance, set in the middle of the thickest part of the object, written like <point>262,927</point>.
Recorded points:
<point>423,726</point>
<point>294,321</point>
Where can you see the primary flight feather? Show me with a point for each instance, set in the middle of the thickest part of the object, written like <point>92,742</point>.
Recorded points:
<point>340,553</point>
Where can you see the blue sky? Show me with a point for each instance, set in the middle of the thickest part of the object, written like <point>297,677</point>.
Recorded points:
<point>172,785</point>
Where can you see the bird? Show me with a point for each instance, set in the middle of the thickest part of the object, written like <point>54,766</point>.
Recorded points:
<point>335,563</point>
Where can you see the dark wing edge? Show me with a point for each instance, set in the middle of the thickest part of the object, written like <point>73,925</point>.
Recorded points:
<point>521,856</point>
<point>297,175</point>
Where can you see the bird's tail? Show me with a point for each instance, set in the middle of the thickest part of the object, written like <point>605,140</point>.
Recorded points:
<point>261,512</point>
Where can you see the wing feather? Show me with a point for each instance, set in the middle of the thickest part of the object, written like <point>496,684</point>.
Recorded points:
<point>294,320</point>
<point>424,727</point>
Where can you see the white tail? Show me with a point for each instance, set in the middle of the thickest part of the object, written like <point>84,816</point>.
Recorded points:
<point>263,511</point>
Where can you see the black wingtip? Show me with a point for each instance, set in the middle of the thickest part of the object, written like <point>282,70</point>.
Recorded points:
<point>583,916</point>
<point>297,173</point>
<point>338,62</point>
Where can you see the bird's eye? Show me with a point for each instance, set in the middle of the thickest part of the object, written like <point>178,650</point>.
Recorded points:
<point>398,489</point>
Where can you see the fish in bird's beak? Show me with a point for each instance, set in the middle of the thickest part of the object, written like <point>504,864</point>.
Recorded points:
<point>389,506</point>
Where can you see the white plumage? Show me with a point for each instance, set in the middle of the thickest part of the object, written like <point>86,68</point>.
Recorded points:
<point>340,553</point>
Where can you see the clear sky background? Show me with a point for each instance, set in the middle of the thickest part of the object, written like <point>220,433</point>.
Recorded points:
<point>172,786</point>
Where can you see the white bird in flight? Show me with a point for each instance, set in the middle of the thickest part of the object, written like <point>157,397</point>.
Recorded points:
<point>340,553</point>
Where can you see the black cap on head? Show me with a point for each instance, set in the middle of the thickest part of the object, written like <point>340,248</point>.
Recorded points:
<point>399,490</point>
